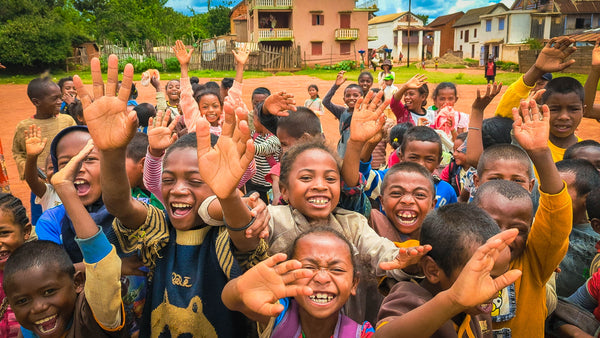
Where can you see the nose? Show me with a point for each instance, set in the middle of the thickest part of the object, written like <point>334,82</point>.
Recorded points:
<point>319,184</point>
<point>39,305</point>
<point>179,188</point>
<point>407,199</point>
<point>322,276</point>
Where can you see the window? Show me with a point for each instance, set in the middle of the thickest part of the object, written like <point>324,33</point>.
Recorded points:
<point>472,51</point>
<point>501,24</point>
<point>460,48</point>
<point>461,34</point>
<point>467,35</point>
<point>579,23</point>
<point>344,20</point>
<point>488,25</point>
<point>318,20</point>
<point>344,48</point>
<point>316,48</point>
<point>475,32</point>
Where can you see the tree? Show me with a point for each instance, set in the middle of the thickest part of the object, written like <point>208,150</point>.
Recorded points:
<point>217,21</point>
<point>423,17</point>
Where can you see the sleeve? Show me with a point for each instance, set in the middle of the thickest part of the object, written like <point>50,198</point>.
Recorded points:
<point>445,194</point>
<point>268,121</point>
<point>402,114</point>
<point>548,239</point>
<point>335,109</point>
<point>321,107</point>
<point>354,199</point>
<point>103,281</point>
<point>270,146</point>
<point>248,174</point>
<point>373,179</point>
<point>463,121</point>
<point>398,302</point>
<point>583,296</point>
<point>188,105</point>
<point>161,101</point>
<point>153,174</point>
<point>445,175</point>
<point>512,98</point>
<point>48,226</point>
<point>148,239</point>
<point>18,150</point>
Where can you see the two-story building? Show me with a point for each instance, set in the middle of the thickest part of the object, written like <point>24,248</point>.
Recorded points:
<point>468,30</point>
<point>327,31</point>
<point>381,31</point>
<point>441,33</point>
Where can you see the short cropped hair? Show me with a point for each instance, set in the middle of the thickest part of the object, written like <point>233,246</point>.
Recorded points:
<point>592,203</point>
<point>422,134</point>
<point>288,159</point>
<point>408,167</point>
<point>504,152</point>
<point>261,90</point>
<point>144,112</point>
<point>355,86</point>
<point>570,153</point>
<point>187,141</point>
<point>36,254</point>
<point>507,189</point>
<point>299,122</point>
<point>452,231</point>
<point>36,88</point>
<point>136,149</point>
<point>62,81</point>
<point>227,82</point>
<point>563,85</point>
<point>496,130</point>
<point>586,175</point>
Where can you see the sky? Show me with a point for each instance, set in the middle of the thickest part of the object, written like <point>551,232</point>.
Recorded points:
<point>433,8</point>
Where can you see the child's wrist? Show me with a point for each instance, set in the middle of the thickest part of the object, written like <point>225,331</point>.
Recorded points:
<point>156,152</point>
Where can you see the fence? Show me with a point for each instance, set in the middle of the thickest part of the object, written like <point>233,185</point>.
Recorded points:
<point>582,56</point>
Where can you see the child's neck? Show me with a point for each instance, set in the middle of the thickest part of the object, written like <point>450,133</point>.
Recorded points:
<point>313,97</point>
<point>563,142</point>
<point>42,116</point>
<point>421,111</point>
<point>315,327</point>
<point>173,103</point>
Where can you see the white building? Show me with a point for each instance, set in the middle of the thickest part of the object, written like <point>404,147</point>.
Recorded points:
<point>392,31</point>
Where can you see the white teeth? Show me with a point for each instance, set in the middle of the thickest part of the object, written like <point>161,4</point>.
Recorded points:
<point>181,205</point>
<point>42,321</point>
<point>79,182</point>
<point>321,298</point>
<point>407,217</point>
<point>318,201</point>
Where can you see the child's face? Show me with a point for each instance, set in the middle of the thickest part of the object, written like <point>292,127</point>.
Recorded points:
<point>11,236</point>
<point>87,181</point>
<point>406,201</point>
<point>258,98</point>
<point>388,82</point>
<point>510,214</point>
<point>351,95</point>
<point>285,140</point>
<point>49,104</point>
<point>135,172</point>
<point>313,186</point>
<point>510,170</point>
<point>365,82</point>
<point>413,100</point>
<point>69,88</point>
<point>445,96</point>
<point>210,107</point>
<point>333,281</point>
<point>49,168</point>
<point>425,153</point>
<point>173,90</point>
<point>459,156</point>
<point>183,188</point>
<point>566,111</point>
<point>43,299</point>
<point>590,154</point>
<point>312,92</point>
<point>578,201</point>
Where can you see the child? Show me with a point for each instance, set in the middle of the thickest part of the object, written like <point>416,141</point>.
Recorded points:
<point>144,112</point>
<point>189,262</point>
<point>266,156</point>
<point>458,173</point>
<point>395,138</point>
<point>314,102</point>
<point>45,194</point>
<point>386,69</point>
<point>505,162</point>
<point>259,95</point>
<point>490,70</point>
<point>171,104</point>
<point>389,89</point>
<point>444,95</point>
<point>588,150</point>
<point>46,97</point>
<point>581,177</point>
<point>304,295</point>
<point>365,81</point>
<point>134,162</point>
<point>344,114</point>
<point>454,299</point>
<point>15,229</point>
<point>414,92</point>
<point>69,94</point>
<point>211,106</point>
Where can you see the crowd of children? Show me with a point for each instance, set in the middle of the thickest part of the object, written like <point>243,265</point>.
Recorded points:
<point>201,216</point>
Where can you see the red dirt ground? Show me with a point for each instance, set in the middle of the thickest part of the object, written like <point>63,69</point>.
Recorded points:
<point>18,107</point>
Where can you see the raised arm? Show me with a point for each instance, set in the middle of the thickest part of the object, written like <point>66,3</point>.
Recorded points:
<point>189,106</point>
<point>591,84</point>
<point>474,139</point>
<point>111,128</point>
<point>160,136</point>
<point>335,109</point>
<point>34,146</point>
<point>161,100</point>
<point>414,82</point>
<point>241,57</point>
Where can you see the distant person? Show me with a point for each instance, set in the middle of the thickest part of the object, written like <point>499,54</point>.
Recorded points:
<point>490,70</point>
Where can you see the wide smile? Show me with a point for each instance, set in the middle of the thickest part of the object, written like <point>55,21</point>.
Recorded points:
<point>180,209</point>
<point>562,128</point>
<point>47,325</point>
<point>82,186</point>
<point>319,202</point>
<point>322,298</point>
<point>4,254</point>
<point>407,218</point>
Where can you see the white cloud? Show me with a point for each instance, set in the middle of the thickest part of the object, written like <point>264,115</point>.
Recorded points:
<point>434,8</point>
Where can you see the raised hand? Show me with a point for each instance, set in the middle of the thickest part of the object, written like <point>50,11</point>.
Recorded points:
<point>226,165</point>
<point>596,55</point>
<point>474,285</point>
<point>278,104</point>
<point>406,257</point>
<point>241,54</point>
<point>552,57</point>
<point>530,129</point>
<point>68,98</point>
<point>34,143</point>
<point>416,81</point>
<point>260,227</point>
<point>340,79</point>
<point>160,133</point>
<point>66,176</point>
<point>106,116</point>
<point>270,280</point>
<point>183,55</point>
<point>481,102</point>
<point>368,119</point>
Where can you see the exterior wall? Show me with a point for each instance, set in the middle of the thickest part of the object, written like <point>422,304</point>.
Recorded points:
<point>240,9</point>
<point>466,46</point>
<point>385,34</point>
<point>511,52</point>
<point>519,28</point>
<point>447,38</point>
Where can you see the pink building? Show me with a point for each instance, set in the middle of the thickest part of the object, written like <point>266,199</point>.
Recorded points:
<point>327,31</point>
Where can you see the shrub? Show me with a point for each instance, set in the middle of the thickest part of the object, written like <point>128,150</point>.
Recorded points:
<point>507,65</point>
<point>172,65</point>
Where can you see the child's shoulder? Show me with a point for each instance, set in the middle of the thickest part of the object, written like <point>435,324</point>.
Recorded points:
<point>403,297</point>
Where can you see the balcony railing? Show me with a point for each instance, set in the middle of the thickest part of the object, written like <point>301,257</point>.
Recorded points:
<point>272,4</point>
<point>346,34</point>
<point>413,40</point>
<point>367,4</point>
<point>277,34</point>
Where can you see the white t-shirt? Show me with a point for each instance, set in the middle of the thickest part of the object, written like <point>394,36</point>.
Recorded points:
<point>50,198</point>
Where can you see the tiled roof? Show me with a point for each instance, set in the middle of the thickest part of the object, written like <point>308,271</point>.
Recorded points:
<point>444,19</point>
<point>576,7</point>
<point>471,17</point>
<point>386,18</point>
<point>588,35</point>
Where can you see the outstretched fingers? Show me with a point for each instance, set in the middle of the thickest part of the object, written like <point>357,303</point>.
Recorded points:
<point>112,76</point>
<point>126,83</point>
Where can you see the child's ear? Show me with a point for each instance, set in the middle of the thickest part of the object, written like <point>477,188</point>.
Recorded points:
<point>433,202</point>
<point>355,281</point>
<point>595,223</point>
<point>476,180</point>
<point>27,231</point>
<point>531,184</point>
<point>430,269</point>
<point>142,161</point>
<point>284,192</point>
<point>79,281</point>
<point>35,101</point>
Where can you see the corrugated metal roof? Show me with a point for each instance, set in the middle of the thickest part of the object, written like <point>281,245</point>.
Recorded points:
<point>577,7</point>
<point>588,35</point>
<point>471,17</point>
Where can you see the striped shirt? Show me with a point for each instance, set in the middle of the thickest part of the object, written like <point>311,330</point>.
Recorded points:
<point>268,151</point>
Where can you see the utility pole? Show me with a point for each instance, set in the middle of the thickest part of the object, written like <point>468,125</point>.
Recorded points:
<point>408,38</point>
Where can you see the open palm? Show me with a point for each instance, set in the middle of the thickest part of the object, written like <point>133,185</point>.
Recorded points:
<point>106,116</point>
<point>552,57</point>
<point>531,130</point>
<point>369,119</point>
<point>34,142</point>
<point>596,54</point>
<point>160,132</point>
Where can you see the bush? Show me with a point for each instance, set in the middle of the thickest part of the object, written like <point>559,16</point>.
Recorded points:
<point>149,63</point>
<point>507,65</point>
<point>471,62</point>
<point>342,65</point>
<point>172,65</point>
